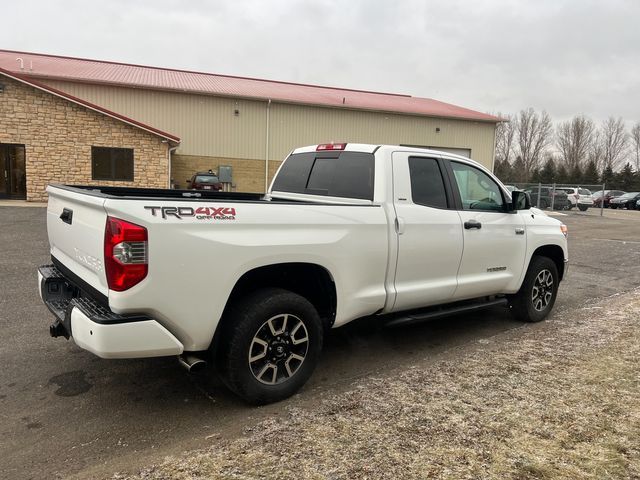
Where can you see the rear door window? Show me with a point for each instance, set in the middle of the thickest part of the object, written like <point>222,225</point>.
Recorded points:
<point>427,184</point>
<point>333,174</point>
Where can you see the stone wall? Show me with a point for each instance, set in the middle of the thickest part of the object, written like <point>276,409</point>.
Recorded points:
<point>248,175</point>
<point>58,136</point>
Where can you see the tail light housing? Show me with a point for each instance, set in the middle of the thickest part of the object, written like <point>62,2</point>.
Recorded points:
<point>125,254</point>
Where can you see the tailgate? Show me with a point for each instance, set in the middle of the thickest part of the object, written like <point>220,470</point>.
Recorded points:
<point>75,225</point>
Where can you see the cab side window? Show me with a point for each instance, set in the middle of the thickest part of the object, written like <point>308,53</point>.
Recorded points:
<point>427,185</point>
<point>478,190</point>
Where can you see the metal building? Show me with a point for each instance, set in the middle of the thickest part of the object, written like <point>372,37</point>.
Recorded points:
<point>250,124</point>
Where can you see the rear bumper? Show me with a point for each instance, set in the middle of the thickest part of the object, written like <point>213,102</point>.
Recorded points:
<point>94,327</point>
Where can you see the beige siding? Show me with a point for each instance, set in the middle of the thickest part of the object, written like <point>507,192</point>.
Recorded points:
<point>209,127</point>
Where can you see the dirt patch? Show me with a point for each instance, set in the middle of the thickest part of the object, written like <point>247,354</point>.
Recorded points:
<point>552,400</point>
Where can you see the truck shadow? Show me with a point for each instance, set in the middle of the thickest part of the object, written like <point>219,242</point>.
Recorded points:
<point>366,347</point>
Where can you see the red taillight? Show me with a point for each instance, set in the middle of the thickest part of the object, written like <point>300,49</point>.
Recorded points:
<point>331,146</point>
<point>125,254</point>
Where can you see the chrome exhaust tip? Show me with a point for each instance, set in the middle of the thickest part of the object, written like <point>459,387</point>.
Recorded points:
<point>191,363</point>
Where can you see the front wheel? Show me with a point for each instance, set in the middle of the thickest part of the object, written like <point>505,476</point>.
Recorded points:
<point>270,345</point>
<point>538,292</point>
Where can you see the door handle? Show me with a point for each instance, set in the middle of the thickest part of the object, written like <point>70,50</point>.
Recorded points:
<point>469,224</point>
<point>400,225</point>
<point>66,216</point>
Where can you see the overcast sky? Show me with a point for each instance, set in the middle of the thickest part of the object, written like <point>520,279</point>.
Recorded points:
<point>567,57</point>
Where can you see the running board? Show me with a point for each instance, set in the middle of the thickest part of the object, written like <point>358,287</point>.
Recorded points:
<point>417,317</point>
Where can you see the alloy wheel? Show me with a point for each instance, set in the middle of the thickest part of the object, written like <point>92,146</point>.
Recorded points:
<point>278,349</point>
<point>542,291</point>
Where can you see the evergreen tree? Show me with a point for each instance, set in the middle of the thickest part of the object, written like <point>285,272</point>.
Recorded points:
<point>625,179</point>
<point>519,174</point>
<point>548,172</point>
<point>503,171</point>
<point>535,176</point>
<point>590,175</point>
<point>607,177</point>
<point>575,175</point>
<point>562,176</point>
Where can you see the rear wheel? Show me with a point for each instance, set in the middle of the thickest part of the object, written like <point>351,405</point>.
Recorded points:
<point>583,208</point>
<point>543,204</point>
<point>538,293</point>
<point>270,345</point>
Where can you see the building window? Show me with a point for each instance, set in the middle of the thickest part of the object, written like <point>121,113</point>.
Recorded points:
<point>112,163</point>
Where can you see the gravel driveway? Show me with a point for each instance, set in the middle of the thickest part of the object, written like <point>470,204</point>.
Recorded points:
<point>552,400</point>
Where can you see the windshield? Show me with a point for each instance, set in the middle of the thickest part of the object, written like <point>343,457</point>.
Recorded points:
<point>584,191</point>
<point>629,195</point>
<point>206,179</point>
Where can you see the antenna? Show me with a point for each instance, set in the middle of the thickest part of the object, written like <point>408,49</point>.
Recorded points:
<point>19,59</point>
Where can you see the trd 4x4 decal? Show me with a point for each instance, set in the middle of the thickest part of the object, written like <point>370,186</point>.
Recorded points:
<point>201,213</point>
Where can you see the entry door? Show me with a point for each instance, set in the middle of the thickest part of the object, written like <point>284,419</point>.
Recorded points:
<point>13,171</point>
<point>494,239</point>
<point>428,230</point>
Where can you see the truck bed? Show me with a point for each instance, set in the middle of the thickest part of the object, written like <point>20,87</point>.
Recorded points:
<point>134,193</point>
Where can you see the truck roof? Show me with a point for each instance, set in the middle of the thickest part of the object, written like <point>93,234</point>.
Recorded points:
<point>371,148</point>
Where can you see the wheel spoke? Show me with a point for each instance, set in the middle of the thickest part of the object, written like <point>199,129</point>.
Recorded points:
<point>287,364</point>
<point>264,370</point>
<point>275,332</point>
<point>262,354</point>
<point>298,341</point>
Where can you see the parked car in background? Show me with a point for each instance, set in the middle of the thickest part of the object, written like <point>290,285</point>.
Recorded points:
<point>578,197</point>
<point>558,198</point>
<point>608,195</point>
<point>628,200</point>
<point>205,181</point>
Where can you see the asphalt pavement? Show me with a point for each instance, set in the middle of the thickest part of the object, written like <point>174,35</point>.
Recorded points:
<point>65,413</point>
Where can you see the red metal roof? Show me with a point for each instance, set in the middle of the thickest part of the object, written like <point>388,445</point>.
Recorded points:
<point>92,106</point>
<point>126,75</point>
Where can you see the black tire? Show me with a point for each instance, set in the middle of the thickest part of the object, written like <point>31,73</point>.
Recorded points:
<point>613,207</point>
<point>583,208</point>
<point>253,321</point>
<point>543,204</point>
<point>525,305</point>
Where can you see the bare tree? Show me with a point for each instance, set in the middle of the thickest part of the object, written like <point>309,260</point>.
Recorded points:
<point>635,144</point>
<point>574,139</point>
<point>533,136</point>
<point>505,132</point>
<point>596,151</point>
<point>615,140</point>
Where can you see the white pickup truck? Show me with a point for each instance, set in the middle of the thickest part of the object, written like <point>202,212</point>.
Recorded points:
<point>253,282</point>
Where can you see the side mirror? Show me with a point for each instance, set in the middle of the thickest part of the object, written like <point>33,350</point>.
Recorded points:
<point>188,181</point>
<point>520,200</point>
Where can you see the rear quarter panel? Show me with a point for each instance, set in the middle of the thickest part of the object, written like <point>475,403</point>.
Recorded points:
<point>195,261</point>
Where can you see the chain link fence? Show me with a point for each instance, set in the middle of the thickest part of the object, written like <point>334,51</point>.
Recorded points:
<point>562,196</point>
